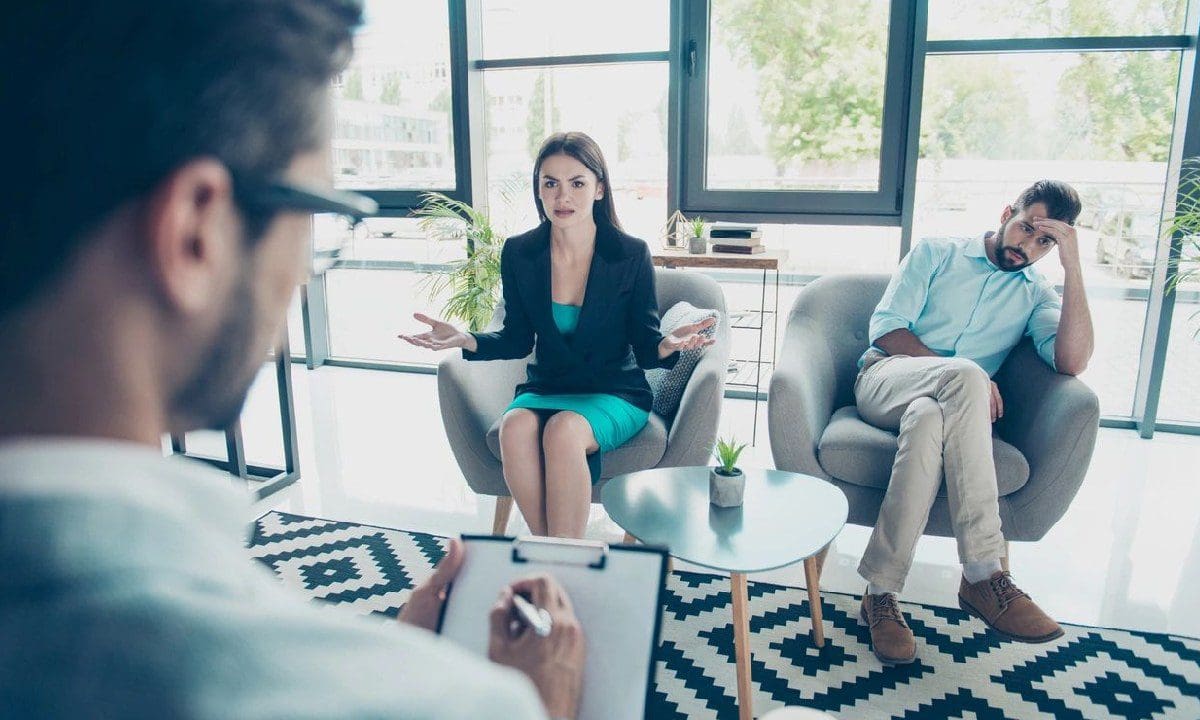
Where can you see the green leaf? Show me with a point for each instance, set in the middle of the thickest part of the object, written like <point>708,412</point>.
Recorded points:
<point>471,287</point>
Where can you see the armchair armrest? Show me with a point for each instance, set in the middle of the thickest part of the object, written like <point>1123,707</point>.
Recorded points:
<point>1053,420</point>
<point>694,430</point>
<point>472,396</point>
<point>802,393</point>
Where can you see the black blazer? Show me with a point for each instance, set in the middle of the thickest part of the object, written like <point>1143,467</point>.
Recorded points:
<point>617,336</point>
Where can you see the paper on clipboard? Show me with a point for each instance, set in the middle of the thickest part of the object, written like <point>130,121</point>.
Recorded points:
<point>615,590</point>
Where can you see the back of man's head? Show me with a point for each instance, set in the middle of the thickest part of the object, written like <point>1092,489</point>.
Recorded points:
<point>104,98</point>
<point>1061,200</point>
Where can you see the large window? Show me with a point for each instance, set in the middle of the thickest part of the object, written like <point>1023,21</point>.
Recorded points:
<point>993,124</point>
<point>384,278</point>
<point>846,129</point>
<point>976,19</point>
<point>554,28</point>
<point>392,105</point>
<point>799,107</point>
<point>795,107</point>
<point>622,106</point>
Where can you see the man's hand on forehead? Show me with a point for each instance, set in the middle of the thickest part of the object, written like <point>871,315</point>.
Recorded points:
<point>1054,229</point>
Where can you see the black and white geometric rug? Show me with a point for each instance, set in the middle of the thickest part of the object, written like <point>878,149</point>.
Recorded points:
<point>962,672</point>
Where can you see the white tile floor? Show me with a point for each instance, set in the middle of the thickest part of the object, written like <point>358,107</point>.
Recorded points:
<point>1126,555</point>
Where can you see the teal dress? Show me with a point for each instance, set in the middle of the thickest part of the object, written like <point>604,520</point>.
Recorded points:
<point>613,420</point>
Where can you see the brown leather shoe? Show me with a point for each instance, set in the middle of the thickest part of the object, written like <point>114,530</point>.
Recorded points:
<point>891,639</point>
<point>1007,610</point>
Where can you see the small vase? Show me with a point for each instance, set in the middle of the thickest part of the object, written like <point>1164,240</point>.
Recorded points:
<point>726,490</point>
<point>697,245</point>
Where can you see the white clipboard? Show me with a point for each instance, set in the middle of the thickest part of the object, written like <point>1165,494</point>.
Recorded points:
<point>616,592</point>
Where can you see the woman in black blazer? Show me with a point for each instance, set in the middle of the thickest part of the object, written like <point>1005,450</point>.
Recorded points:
<point>580,293</point>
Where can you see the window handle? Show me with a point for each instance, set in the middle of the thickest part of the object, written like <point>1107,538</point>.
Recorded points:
<point>691,58</point>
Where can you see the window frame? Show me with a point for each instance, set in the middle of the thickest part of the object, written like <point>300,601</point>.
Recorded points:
<point>880,207</point>
<point>400,201</point>
<point>1185,142</point>
<point>891,205</point>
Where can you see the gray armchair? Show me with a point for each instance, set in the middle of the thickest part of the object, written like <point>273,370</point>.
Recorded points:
<point>1044,441</point>
<point>473,395</point>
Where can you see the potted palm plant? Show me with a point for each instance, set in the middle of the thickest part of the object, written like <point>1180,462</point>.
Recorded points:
<point>472,283</point>
<point>726,482</point>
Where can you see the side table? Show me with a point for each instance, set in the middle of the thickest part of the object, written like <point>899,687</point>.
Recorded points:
<point>785,517</point>
<point>771,260</point>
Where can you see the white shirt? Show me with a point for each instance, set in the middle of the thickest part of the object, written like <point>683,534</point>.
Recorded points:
<point>126,590</point>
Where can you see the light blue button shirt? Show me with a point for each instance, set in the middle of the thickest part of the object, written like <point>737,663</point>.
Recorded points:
<point>957,302</point>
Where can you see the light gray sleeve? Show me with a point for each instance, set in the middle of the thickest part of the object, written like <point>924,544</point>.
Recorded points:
<point>190,647</point>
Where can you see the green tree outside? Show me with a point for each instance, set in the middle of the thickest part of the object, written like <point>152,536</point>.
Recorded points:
<point>391,93</point>
<point>820,70</point>
<point>820,66</point>
<point>352,86</point>
<point>536,122</point>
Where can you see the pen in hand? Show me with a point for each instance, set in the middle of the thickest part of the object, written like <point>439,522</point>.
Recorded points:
<point>538,619</point>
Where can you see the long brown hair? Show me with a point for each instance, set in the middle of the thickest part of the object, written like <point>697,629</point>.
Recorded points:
<point>584,149</point>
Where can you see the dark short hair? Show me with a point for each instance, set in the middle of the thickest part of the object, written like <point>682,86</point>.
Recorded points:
<point>1061,200</point>
<point>584,149</point>
<point>104,98</point>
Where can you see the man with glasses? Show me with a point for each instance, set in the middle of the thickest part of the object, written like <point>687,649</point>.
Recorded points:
<point>164,163</point>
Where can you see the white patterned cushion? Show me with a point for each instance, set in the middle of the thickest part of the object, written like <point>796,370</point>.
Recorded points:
<point>668,385</point>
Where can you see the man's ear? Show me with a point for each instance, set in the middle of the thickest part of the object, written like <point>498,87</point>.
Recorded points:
<point>190,230</point>
<point>1007,213</point>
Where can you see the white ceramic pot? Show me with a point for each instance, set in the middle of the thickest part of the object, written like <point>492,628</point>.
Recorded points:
<point>726,490</point>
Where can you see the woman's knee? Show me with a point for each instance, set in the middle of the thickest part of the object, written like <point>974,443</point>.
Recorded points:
<point>519,427</point>
<point>566,432</point>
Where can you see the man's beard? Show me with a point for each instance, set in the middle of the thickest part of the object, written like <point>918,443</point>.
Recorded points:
<point>1003,260</point>
<point>214,396</point>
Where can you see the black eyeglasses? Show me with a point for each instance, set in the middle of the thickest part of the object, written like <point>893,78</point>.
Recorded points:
<point>337,214</point>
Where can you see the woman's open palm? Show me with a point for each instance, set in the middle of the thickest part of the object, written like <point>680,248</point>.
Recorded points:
<point>687,337</point>
<point>440,336</point>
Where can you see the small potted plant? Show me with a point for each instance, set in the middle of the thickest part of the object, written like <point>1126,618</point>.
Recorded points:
<point>697,243</point>
<point>726,482</point>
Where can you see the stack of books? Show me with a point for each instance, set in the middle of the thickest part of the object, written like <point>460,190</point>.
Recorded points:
<point>736,238</point>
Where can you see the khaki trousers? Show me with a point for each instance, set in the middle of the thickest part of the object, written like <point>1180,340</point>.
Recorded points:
<point>941,409</point>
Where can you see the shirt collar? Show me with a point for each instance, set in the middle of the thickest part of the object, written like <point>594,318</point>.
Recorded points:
<point>977,249</point>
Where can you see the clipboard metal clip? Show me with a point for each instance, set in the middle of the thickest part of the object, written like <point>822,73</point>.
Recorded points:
<point>560,551</point>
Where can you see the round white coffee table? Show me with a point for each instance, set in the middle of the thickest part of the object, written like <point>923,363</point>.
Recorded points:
<point>785,518</point>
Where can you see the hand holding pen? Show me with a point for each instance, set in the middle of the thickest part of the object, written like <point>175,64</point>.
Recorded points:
<point>538,619</point>
<point>534,630</point>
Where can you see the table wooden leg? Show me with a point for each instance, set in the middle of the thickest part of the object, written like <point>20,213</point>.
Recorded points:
<point>812,576</point>
<point>741,645</point>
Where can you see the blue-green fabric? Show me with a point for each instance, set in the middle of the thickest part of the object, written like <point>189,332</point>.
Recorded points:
<point>566,317</point>
<point>613,420</point>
